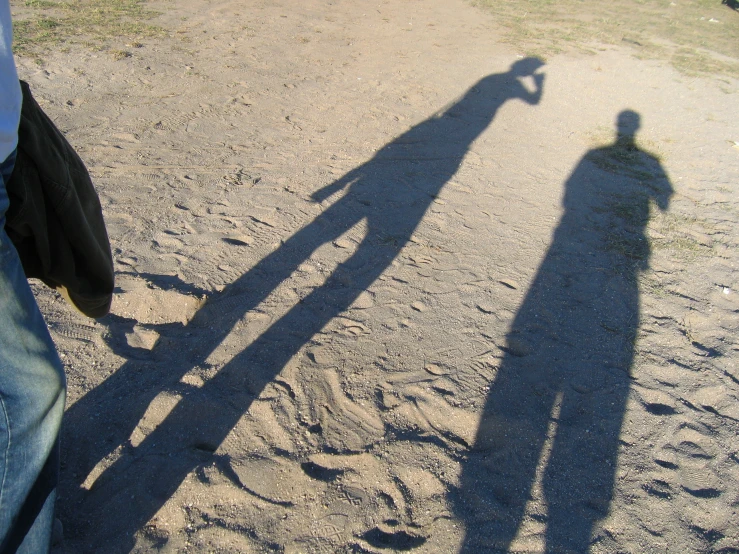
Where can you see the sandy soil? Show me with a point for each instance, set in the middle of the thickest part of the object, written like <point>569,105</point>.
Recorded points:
<point>385,284</point>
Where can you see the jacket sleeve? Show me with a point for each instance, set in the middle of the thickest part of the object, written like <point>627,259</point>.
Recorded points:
<point>55,218</point>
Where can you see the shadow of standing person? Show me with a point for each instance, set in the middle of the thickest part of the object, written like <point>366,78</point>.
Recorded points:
<point>547,446</point>
<point>392,193</point>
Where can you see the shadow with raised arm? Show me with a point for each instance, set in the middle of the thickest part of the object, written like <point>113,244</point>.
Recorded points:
<point>543,463</point>
<point>391,192</point>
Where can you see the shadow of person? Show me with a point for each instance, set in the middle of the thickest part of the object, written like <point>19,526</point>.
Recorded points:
<point>391,193</point>
<point>547,446</point>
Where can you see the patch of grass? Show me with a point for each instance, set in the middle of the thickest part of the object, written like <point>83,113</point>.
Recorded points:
<point>628,215</point>
<point>696,36</point>
<point>626,159</point>
<point>603,136</point>
<point>42,25</point>
<point>681,234</point>
<point>631,210</point>
<point>633,247</point>
<point>635,227</point>
<point>41,4</point>
<point>695,62</point>
<point>650,285</point>
<point>120,54</point>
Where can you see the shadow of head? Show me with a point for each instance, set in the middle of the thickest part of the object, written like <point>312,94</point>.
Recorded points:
<point>628,123</point>
<point>526,67</point>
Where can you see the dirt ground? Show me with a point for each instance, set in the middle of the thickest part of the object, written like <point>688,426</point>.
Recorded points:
<point>387,283</point>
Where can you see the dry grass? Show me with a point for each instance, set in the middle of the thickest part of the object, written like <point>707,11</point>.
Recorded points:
<point>40,25</point>
<point>696,36</point>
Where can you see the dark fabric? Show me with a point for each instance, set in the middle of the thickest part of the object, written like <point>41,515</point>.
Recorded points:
<point>55,219</point>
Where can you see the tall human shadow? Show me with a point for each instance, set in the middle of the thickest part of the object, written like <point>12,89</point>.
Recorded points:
<point>391,192</point>
<point>552,421</point>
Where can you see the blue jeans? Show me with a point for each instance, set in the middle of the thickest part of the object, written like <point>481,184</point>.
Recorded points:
<point>32,394</point>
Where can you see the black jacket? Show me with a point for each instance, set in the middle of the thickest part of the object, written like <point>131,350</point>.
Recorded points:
<point>55,219</point>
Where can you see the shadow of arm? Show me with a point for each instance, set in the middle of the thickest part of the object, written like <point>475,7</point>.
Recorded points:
<point>322,194</point>
<point>534,97</point>
<point>661,186</point>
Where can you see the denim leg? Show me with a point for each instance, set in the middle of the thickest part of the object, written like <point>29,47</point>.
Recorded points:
<point>32,394</point>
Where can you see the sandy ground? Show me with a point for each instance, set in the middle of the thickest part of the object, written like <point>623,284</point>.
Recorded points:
<point>385,284</point>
